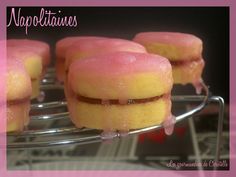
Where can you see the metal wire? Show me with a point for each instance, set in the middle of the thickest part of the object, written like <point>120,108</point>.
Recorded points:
<point>91,137</point>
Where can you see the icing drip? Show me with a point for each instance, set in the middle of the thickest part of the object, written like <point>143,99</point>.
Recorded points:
<point>169,124</point>
<point>124,133</point>
<point>108,135</point>
<point>124,123</point>
<point>198,86</point>
<point>41,96</point>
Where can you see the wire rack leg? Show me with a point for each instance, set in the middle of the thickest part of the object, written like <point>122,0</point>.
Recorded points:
<point>220,101</point>
<point>196,146</point>
<point>28,152</point>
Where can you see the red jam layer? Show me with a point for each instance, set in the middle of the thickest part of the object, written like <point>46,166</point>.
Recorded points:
<point>183,62</point>
<point>18,101</point>
<point>120,102</point>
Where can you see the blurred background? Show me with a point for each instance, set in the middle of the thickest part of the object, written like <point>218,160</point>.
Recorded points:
<point>153,150</point>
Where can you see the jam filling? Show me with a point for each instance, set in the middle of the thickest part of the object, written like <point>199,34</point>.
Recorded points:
<point>119,102</point>
<point>182,62</point>
<point>17,101</point>
<point>33,79</point>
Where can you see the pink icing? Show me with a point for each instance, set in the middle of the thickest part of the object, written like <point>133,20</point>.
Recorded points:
<point>120,63</point>
<point>19,52</point>
<point>41,96</point>
<point>108,135</point>
<point>15,64</point>
<point>103,46</point>
<point>111,68</point>
<point>168,124</point>
<point>198,86</point>
<point>174,38</point>
<point>124,133</point>
<point>63,44</point>
<point>41,48</point>
<point>169,121</point>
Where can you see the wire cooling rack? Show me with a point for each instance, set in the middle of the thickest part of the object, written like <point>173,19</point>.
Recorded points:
<point>52,136</point>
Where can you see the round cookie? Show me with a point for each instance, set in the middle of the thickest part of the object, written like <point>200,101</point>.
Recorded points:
<point>183,50</point>
<point>61,48</point>
<point>119,91</point>
<point>33,65</point>
<point>39,47</point>
<point>102,46</point>
<point>18,87</point>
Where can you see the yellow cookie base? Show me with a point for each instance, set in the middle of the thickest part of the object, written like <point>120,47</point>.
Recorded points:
<point>188,73</point>
<point>17,116</point>
<point>136,86</point>
<point>173,52</point>
<point>119,117</point>
<point>33,66</point>
<point>60,69</point>
<point>35,88</point>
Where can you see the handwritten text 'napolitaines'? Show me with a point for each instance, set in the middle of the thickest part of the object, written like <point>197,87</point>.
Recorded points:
<point>45,18</point>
